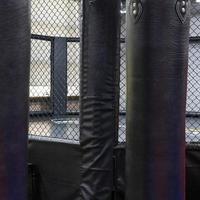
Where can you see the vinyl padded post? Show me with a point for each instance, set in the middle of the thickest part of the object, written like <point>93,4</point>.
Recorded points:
<point>99,96</point>
<point>14,82</point>
<point>157,60</point>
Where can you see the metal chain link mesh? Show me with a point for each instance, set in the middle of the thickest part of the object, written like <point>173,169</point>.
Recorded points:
<point>54,80</point>
<point>54,77</point>
<point>122,100</point>
<point>55,17</point>
<point>193,91</point>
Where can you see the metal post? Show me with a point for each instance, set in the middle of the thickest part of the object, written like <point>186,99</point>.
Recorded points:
<point>14,90</point>
<point>157,61</point>
<point>59,77</point>
<point>99,96</point>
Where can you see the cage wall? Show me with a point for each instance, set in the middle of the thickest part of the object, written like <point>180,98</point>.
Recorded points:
<point>55,63</point>
<point>55,66</point>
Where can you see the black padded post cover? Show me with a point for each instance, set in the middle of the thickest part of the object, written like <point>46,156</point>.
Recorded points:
<point>99,96</point>
<point>192,171</point>
<point>157,60</point>
<point>56,174</point>
<point>14,82</point>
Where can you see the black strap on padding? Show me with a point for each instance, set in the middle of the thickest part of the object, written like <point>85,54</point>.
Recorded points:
<point>14,84</point>
<point>99,96</point>
<point>157,60</point>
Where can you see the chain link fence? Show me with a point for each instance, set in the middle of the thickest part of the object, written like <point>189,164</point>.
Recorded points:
<point>193,91</point>
<point>55,63</point>
<point>122,100</point>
